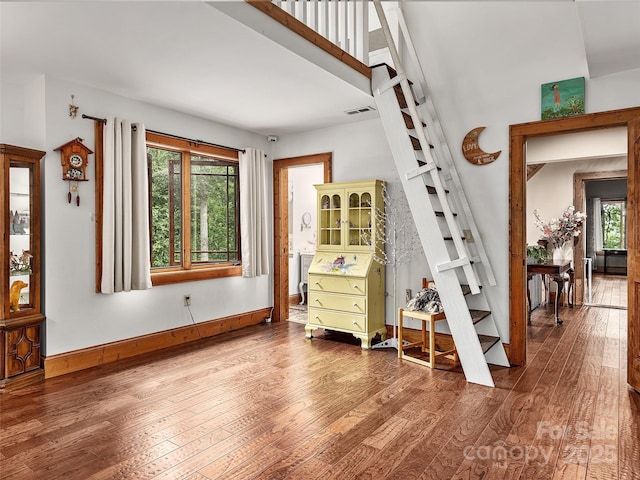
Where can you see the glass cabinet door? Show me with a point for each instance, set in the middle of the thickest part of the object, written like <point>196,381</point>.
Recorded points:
<point>347,218</point>
<point>21,247</point>
<point>360,219</point>
<point>330,220</point>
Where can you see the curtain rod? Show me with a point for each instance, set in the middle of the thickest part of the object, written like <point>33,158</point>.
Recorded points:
<point>200,142</point>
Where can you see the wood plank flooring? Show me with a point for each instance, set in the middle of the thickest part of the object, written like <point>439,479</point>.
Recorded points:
<point>608,290</point>
<point>266,403</point>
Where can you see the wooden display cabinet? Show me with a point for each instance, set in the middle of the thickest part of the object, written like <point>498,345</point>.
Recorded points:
<point>346,282</point>
<point>21,315</point>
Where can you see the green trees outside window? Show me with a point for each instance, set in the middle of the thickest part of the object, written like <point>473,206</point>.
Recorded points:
<point>614,224</point>
<point>194,202</point>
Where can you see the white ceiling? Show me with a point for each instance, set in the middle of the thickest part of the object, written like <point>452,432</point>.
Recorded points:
<point>191,57</point>
<point>186,56</point>
<point>611,34</point>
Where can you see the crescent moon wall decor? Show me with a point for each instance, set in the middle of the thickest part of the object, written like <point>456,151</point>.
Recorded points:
<point>472,151</point>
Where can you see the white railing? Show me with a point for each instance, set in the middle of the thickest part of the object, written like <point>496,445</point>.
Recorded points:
<point>344,23</point>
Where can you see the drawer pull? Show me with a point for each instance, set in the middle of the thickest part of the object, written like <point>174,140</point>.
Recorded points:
<point>317,301</point>
<point>355,323</point>
<point>355,304</point>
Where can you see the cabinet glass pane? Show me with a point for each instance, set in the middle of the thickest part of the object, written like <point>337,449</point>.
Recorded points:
<point>325,220</point>
<point>360,219</point>
<point>330,220</point>
<point>21,260</point>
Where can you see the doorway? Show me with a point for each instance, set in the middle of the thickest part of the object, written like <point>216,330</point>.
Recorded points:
<point>281,225</point>
<point>518,208</point>
<point>579,182</point>
<point>303,199</point>
<point>603,191</point>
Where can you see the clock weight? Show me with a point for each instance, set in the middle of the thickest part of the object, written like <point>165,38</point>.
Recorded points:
<point>73,187</point>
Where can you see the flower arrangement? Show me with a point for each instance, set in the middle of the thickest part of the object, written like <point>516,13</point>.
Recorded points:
<point>558,231</point>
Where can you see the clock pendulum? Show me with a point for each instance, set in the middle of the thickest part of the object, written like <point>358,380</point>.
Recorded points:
<point>73,188</point>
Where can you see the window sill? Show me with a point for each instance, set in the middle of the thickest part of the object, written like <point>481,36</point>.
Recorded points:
<point>180,276</point>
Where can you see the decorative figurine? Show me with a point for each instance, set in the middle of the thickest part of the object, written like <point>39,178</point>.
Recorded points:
<point>14,295</point>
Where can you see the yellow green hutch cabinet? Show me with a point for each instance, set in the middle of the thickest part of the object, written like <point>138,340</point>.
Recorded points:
<point>346,282</point>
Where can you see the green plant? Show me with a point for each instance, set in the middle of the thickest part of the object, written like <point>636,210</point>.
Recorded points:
<point>537,252</point>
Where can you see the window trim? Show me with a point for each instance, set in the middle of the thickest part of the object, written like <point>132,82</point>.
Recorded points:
<point>169,275</point>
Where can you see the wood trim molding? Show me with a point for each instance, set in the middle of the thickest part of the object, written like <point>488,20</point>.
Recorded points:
<point>533,169</point>
<point>98,147</point>
<point>296,26</point>
<point>198,273</point>
<point>281,226</point>
<point>68,362</point>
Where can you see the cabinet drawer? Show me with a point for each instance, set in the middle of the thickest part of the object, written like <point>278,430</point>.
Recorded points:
<point>339,321</point>
<point>335,284</point>
<point>344,303</point>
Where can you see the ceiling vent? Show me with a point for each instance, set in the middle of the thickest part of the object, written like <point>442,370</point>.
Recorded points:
<point>359,110</point>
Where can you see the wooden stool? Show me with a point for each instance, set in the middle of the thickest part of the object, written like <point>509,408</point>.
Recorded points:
<point>430,348</point>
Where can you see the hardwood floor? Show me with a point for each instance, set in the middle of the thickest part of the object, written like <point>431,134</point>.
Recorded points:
<point>266,403</point>
<point>609,290</point>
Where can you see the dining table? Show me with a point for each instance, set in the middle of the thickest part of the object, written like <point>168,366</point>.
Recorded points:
<point>555,272</point>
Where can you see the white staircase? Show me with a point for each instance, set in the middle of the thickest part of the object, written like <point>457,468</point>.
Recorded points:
<point>448,234</point>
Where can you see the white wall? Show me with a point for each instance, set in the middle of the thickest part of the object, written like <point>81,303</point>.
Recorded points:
<point>301,182</point>
<point>605,143</point>
<point>77,317</point>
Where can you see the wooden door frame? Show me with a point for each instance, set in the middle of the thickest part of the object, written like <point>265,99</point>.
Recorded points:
<point>519,134</point>
<point>281,226</point>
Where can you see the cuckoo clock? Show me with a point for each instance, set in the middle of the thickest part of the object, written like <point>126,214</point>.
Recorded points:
<point>74,159</point>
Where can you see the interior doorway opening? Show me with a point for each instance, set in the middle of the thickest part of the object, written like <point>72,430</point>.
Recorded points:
<point>303,233</point>
<point>519,134</point>
<point>286,220</point>
<point>604,195</point>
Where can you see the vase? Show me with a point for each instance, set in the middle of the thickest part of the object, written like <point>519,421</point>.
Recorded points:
<point>563,254</point>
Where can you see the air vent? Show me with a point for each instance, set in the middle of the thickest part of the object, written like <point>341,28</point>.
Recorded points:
<point>359,110</point>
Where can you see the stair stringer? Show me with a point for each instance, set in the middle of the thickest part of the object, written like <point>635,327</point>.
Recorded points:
<point>472,359</point>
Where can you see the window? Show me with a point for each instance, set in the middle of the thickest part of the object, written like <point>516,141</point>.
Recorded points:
<point>614,224</point>
<point>195,214</point>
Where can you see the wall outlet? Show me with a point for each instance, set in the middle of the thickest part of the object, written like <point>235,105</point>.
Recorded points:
<point>187,299</point>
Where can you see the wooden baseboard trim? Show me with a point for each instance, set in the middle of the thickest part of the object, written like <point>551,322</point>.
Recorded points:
<point>295,299</point>
<point>68,362</point>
